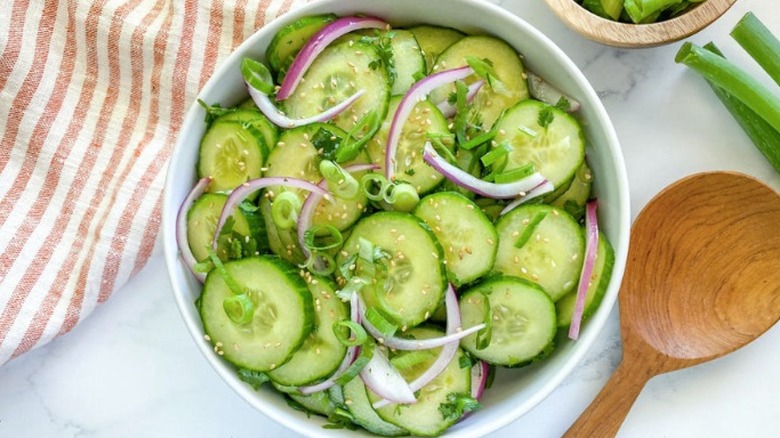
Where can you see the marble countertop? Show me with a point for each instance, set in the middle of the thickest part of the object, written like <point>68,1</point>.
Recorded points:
<point>132,369</point>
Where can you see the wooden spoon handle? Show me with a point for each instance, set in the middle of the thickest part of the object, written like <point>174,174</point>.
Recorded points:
<point>606,413</point>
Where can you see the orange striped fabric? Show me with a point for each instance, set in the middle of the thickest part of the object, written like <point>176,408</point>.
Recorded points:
<point>92,97</point>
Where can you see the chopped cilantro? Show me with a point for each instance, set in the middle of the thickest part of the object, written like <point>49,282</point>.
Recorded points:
<point>456,405</point>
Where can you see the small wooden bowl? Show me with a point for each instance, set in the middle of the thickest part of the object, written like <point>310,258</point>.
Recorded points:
<point>630,35</point>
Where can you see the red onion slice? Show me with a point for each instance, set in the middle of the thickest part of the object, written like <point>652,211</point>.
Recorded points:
<point>479,376</point>
<point>418,92</point>
<point>541,189</point>
<point>380,376</point>
<point>447,352</point>
<point>306,215</point>
<point>476,185</point>
<point>591,247</point>
<point>181,226</point>
<point>241,192</point>
<point>278,118</point>
<point>317,43</point>
<point>349,357</point>
<point>397,343</point>
<point>448,110</point>
<point>544,91</point>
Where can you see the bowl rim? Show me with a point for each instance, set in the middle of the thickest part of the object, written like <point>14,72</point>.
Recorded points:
<point>629,35</point>
<point>590,332</point>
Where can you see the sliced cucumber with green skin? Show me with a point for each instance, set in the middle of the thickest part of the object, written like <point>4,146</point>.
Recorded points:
<point>423,418</point>
<point>289,40</point>
<point>231,155</point>
<point>521,317</point>
<point>410,167</point>
<point>551,251</point>
<point>297,155</point>
<point>576,196</point>
<point>322,352</point>
<point>283,243</point>
<point>556,149</point>
<point>282,318</point>
<point>599,280</point>
<point>341,70</point>
<point>411,284</point>
<point>319,402</point>
<point>409,60</point>
<point>468,237</point>
<point>257,123</point>
<point>363,414</point>
<point>489,102</point>
<point>433,40</point>
<point>202,222</point>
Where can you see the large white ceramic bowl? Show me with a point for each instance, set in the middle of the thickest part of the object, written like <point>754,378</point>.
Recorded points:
<point>515,391</point>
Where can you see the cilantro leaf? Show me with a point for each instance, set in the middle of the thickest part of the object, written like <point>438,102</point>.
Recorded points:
<point>457,404</point>
<point>254,378</point>
<point>563,104</point>
<point>546,117</point>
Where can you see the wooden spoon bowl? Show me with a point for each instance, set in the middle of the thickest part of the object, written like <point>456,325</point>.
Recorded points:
<point>702,279</point>
<point>630,35</point>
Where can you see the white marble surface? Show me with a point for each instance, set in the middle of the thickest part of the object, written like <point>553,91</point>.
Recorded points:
<point>131,369</point>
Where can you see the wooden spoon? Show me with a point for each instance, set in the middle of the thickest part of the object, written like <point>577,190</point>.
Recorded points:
<point>702,279</point>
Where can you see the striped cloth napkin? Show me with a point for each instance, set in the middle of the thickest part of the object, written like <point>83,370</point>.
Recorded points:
<point>92,96</point>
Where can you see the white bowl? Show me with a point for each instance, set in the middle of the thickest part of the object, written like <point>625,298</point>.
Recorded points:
<point>515,391</point>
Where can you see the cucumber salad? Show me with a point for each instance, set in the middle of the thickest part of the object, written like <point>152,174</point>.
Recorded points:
<point>390,216</point>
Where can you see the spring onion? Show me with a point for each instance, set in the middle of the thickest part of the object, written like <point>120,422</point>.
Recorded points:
<point>759,43</point>
<point>239,308</point>
<point>285,209</point>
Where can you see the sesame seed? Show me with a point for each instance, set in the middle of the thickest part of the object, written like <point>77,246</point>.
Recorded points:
<point>490,241</point>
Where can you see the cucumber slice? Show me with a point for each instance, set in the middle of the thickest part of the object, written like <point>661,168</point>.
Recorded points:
<point>322,352</point>
<point>542,244</point>
<point>319,402</point>
<point>255,122</point>
<point>356,401</point>
<point>298,154</point>
<point>202,222</point>
<point>410,167</point>
<point>282,320</point>
<point>289,40</point>
<point>410,284</point>
<point>231,154</point>
<point>424,418</point>
<point>468,237</point>
<point>408,59</point>
<point>556,150</point>
<point>576,196</point>
<point>521,317</point>
<point>599,280</point>
<point>339,72</point>
<point>433,40</point>
<point>489,103</point>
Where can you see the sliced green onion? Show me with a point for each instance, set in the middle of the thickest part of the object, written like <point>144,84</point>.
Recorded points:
<point>497,153</point>
<point>484,69</point>
<point>239,308</point>
<point>229,280</point>
<point>381,323</point>
<point>374,186</point>
<point>640,11</point>
<point>320,263</point>
<point>461,114</point>
<point>257,75</point>
<point>366,353</point>
<point>356,334</point>
<point>478,140</point>
<point>484,335</point>
<point>530,228</point>
<point>527,131</point>
<point>515,174</point>
<point>759,43</point>
<point>333,238</point>
<point>340,182</point>
<point>402,197</point>
<point>410,359</point>
<point>285,209</point>
<point>350,149</point>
